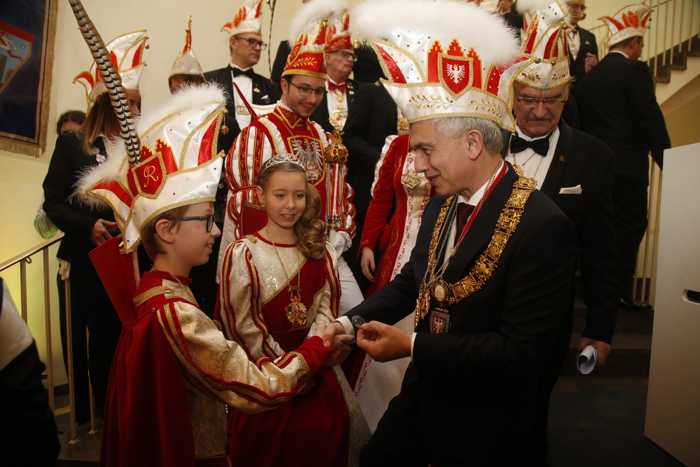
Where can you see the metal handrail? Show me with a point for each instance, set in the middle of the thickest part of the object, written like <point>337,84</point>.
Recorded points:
<point>30,252</point>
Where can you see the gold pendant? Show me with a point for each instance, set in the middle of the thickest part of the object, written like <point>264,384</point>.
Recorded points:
<point>440,291</point>
<point>439,321</point>
<point>296,313</point>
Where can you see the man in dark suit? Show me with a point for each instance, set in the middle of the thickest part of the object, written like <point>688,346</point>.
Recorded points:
<point>491,304</point>
<point>575,171</point>
<point>583,48</point>
<point>618,105</point>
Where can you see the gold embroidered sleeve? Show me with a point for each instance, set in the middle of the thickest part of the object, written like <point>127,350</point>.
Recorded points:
<point>221,368</point>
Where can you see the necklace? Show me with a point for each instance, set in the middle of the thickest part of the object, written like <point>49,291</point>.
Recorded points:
<point>296,311</point>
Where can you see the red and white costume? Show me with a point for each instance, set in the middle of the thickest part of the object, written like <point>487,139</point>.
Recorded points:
<point>254,296</point>
<point>284,132</point>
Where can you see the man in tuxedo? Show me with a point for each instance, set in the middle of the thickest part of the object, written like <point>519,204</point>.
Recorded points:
<point>574,170</point>
<point>490,303</point>
<point>583,48</point>
<point>618,105</point>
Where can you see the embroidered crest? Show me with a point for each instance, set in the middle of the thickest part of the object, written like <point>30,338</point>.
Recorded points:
<point>308,152</point>
<point>456,73</point>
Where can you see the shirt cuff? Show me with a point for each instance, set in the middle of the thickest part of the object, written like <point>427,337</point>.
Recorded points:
<point>413,341</point>
<point>347,325</point>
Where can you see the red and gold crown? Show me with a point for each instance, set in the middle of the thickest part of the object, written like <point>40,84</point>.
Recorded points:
<point>338,33</point>
<point>544,47</point>
<point>442,58</point>
<point>186,63</point>
<point>248,18</point>
<point>126,54</point>
<point>178,163</point>
<point>309,36</point>
<point>630,21</point>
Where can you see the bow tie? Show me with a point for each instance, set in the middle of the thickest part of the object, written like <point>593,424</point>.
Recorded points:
<point>540,146</point>
<point>337,87</point>
<point>238,72</point>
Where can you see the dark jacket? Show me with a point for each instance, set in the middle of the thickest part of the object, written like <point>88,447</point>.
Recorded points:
<point>264,92</point>
<point>73,216</point>
<point>577,67</point>
<point>617,103</point>
<point>321,116</point>
<point>469,396</point>
<point>585,161</point>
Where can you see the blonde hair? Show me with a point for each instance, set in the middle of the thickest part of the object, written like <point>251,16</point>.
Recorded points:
<point>310,230</point>
<point>100,120</point>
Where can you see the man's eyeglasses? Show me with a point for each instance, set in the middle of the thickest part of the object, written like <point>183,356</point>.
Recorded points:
<point>529,101</point>
<point>253,42</point>
<point>346,55</point>
<point>308,90</point>
<point>209,220</point>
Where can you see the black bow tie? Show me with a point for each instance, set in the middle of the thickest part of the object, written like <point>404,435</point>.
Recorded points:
<point>540,146</point>
<point>238,72</point>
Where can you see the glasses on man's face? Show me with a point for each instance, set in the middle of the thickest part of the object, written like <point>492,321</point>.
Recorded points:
<point>253,43</point>
<point>209,220</point>
<point>308,90</point>
<point>531,102</point>
<point>345,55</point>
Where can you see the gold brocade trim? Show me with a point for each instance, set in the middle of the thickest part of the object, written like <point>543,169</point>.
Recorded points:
<point>142,298</point>
<point>488,261</point>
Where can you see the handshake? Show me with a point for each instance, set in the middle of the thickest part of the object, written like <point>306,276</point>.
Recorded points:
<point>381,341</point>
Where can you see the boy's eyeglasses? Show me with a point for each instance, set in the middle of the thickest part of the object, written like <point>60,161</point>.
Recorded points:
<point>209,219</point>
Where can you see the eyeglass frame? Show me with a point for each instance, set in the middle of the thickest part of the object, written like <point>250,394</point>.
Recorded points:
<point>548,102</point>
<point>308,90</point>
<point>252,42</point>
<point>346,55</point>
<point>209,219</point>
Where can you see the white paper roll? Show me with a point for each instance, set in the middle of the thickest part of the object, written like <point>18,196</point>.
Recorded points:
<point>586,360</point>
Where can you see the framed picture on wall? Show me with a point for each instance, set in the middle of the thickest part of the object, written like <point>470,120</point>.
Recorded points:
<point>27,30</point>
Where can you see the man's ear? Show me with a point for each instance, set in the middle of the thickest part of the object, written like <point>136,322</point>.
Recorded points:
<point>165,231</point>
<point>474,143</point>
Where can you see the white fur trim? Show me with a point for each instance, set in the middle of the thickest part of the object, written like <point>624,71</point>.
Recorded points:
<point>442,20</point>
<point>312,11</point>
<point>524,6</point>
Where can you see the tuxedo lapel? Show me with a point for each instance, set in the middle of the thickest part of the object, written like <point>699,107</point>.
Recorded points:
<point>350,91</point>
<point>481,230</point>
<point>552,181</point>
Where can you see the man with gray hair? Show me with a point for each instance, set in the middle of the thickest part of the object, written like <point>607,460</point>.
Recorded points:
<point>490,303</point>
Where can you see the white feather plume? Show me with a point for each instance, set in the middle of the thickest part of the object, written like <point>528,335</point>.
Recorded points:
<point>524,6</point>
<point>311,11</point>
<point>472,26</point>
<point>114,167</point>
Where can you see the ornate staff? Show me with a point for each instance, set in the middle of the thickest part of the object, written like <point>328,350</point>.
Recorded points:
<point>336,157</point>
<point>271,4</point>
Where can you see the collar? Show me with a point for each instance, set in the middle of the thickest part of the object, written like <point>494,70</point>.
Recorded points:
<point>233,65</point>
<point>290,117</point>
<point>529,138</point>
<point>619,52</point>
<point>475,198</point>
<point>329,80</point>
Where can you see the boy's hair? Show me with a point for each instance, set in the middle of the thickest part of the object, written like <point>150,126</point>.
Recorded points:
<point>149,238</point>
<point>309,229</point>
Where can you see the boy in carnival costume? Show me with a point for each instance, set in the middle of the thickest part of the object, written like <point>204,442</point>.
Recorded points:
<point>173,370</point>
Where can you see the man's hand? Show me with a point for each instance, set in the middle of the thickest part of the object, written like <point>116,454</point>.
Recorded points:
<point>100,231</point>
<point>589,62</point>
<point>383,342</point>
<point>602,348</point>
<point>367,263</point>
<point>334,336</point>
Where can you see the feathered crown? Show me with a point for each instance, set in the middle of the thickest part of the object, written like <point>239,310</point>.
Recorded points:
<point>544,47</point>
<point>308,34</point>
<point>442,58</point>
<point>179,164</point>
<point>338,34</point>
<point>630,21</point>
<point>126,54</point>
<point>186,63</point>
<point>248,18</point>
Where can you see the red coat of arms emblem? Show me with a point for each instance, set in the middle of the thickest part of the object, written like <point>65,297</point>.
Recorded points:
<point>456,73</point>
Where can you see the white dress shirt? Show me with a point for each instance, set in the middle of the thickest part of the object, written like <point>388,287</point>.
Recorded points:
<point>574,40</point>
<point>245,84</point>
<point>534,166</point>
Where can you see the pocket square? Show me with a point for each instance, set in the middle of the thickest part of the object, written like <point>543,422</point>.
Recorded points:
<point>571,190</point>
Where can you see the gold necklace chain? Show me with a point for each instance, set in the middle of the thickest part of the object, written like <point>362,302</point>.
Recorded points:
<point>296,311</point>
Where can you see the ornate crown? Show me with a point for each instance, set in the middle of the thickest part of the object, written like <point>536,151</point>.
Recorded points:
<point>248,18</point>
<point>544,47</point>
<point>186,63</point>
<point>630,21</point>
<point>277,159</point>
<point>126,54</point>
<point>442,58</point>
